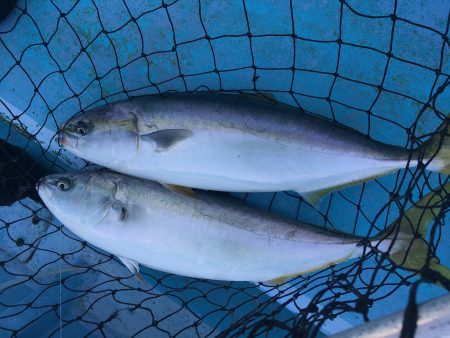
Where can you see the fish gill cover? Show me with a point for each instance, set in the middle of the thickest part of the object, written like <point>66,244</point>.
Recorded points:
<point>380,67</point>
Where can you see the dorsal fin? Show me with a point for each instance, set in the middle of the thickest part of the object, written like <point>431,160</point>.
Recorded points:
<point>264,97</point>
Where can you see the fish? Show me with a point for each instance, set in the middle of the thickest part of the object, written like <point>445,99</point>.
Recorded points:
<point>233,143</point>
<point>209,235</point>
<point>18,175</point>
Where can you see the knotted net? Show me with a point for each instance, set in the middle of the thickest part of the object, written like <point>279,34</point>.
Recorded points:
<point>380,67</point>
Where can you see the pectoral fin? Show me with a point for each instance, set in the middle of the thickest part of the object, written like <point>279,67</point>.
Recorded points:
<point>165,139</point>
<point>181,190</point>
<point>131,265</point>
<point>119,210</point>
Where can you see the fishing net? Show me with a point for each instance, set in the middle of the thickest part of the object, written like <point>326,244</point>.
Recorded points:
<point>380,67</point>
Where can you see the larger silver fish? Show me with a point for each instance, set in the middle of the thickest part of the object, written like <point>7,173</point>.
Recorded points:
<point>228,143</point>
<point>207,235</point>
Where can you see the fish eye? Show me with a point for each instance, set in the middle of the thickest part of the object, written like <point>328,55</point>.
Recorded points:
<point>63,184</point>
<point>81,128</point>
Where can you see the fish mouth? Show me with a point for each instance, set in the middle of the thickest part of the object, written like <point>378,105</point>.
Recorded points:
<point>42,189</point>
<point>67,140</point>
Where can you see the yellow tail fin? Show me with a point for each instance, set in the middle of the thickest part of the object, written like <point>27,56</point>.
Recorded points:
<point>438,149</point>
<point>409,248</point>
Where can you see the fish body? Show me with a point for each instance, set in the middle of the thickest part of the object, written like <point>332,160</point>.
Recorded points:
<point>206,235</point>
<point>229,143</point>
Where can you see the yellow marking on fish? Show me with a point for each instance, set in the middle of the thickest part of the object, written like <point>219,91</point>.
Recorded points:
<point>282,279</point>
<point>185,191</point>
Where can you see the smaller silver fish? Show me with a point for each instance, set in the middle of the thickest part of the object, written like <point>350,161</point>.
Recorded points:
<point>208,235</point>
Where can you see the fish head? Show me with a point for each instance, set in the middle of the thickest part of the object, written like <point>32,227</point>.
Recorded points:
<point>106,135</point>
<point>78,200</point>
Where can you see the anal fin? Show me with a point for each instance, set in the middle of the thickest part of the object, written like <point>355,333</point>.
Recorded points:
<point>283,279</point>
<point>314,197</point>
<point>185,191</point>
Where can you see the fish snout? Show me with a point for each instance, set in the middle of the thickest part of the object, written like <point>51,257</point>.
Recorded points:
<point>67,140</point>
<point>38,183</point>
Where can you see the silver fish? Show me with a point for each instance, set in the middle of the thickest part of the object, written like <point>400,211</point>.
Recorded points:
<point>208,235</point>
<point>230,143</point>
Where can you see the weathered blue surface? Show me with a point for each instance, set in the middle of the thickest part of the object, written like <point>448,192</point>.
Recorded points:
<point>58,58</point>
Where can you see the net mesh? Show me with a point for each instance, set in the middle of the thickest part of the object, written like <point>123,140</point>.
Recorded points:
<point>381,68</point>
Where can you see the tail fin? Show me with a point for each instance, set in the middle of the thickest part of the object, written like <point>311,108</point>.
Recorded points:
<point>438,149</point>
<point>406,238</point>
